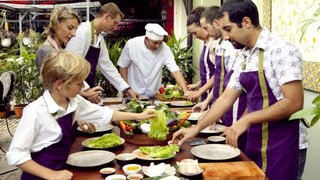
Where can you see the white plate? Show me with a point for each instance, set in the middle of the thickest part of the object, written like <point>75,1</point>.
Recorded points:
<point>99,128</point>
<point>85,143</point>
<point>143,156</point>
<point>180,104</point>
<point>215,151</point>
<point>90,158</point>
<point>218,128</point>
<point>195,116</point>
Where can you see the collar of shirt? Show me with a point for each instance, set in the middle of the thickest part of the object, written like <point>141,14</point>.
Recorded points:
<point>54,108</point>
<point>260,44</point>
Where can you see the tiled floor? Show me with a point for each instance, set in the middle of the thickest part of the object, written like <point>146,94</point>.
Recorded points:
<point>7,172</point>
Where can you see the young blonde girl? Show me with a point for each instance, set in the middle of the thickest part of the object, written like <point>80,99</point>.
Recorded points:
<point>43,138</point>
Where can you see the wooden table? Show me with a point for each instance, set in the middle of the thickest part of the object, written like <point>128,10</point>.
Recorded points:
<point>92,173</point>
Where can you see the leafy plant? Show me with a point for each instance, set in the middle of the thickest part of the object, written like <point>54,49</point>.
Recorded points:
<point>27,87</point>
<point>307,22</point>
<point>183,58</point>
<point>307,112</point>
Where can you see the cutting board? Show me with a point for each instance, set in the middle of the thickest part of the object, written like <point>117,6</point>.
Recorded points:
<point>111,100</point>
<point>232,170</point>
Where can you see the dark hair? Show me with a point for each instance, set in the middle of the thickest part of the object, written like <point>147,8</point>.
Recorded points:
<point>238,9</point>
<point>194,16</point>
<point>210,13</point>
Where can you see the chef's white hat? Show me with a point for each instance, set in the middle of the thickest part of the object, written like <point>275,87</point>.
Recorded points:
<point>155,32</point>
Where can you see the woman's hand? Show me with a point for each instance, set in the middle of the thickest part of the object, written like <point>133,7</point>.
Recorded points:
<point>86,127</point>
<point>147,114</point>
<point>60,175</point>
<point>183,134</point>
<point>200,107</point>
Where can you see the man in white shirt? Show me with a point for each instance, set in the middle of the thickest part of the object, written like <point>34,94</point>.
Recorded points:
<point>143,58</point>
<point>90,44</point>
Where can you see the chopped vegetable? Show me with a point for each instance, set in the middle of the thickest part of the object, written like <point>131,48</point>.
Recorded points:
<point>105,141</point>
<point>159,129</point>
<point>160,151</point>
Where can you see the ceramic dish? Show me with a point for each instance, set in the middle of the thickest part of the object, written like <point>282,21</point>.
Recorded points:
<point>195,116</point>
<point>216,139</point>
<point>90,158</point>
<point>116,177</point>
<point>215,151</point>
<point>85,143</point>
<point>131,169</point>
<point>134,176</point>
<point>181,104</point>
<point>218,128</point>
<point>107,171</point>
<point>99,128</point>
<point>143,156</point>
<point>125,158</point>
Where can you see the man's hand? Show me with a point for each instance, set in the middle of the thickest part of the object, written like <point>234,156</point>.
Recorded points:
<point>200,107</point>
<point>133,94</point>
<point>86,127</point>
<point>233,132</point>
<point>92,94</point>
<point>183,134</point>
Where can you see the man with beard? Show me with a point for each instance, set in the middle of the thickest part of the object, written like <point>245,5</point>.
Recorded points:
<point>269,70</point>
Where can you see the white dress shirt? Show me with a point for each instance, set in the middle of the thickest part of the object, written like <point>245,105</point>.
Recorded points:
<point>80,44</point>
<point>145,66</point>
<point>38,128</point>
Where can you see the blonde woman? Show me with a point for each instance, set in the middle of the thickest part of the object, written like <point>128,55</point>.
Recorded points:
<point>63,24</point>
<point>43,138</point>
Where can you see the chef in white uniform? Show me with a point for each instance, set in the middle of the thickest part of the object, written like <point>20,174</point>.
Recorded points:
<point>143,58</point>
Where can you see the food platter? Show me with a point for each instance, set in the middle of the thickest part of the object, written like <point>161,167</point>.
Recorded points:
<point>215,151</point>
<point>147,157</point>
<point>86,142</point>
<point>218,128</point>
<point>181,104</point>
<point>90,158</point>
<point>99,128</point>
<point>194,117</point>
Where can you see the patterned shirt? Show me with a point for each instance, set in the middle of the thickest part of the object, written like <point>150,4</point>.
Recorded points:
<point>282,64</point>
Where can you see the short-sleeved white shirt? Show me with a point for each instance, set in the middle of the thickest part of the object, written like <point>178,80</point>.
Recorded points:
<point>38,128</point>
<point>145,66</point>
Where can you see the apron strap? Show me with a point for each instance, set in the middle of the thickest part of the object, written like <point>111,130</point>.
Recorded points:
<point>222,73</point>
<point>265,125</point>
<point>92,33</point>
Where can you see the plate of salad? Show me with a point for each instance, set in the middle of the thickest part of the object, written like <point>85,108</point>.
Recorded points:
<point>106,141</point>
<point>156,153</point>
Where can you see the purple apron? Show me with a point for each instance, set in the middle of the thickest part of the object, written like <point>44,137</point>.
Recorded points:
<point>228,117</point>
<point>273,146</point>
<point>55,155</point>
<point>206,71</point>
<point>93,57</point>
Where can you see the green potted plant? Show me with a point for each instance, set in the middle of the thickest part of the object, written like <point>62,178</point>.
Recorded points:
<point>309,112</point>
<point>27,87</point>
<point>183,58</point>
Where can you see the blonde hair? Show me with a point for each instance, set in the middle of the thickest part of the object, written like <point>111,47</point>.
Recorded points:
<point>110,8</point>
<point>58,15</point>
<point>65,66</point>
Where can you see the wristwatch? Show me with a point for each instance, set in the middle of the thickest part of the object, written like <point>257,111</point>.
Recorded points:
<point>126,90</point>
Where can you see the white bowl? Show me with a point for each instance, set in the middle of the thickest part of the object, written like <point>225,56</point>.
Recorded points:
<point>131,169</point>
<point>134,176</point>
<point>107,171</point>
<point>125,158</point>
<point>216,139</point>
<point>116,177</point>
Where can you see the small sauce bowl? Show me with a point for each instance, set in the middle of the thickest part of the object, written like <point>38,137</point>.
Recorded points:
<point>107,171</point>
<point>134,176</point>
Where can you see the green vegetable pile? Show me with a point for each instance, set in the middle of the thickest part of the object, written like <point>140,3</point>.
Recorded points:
<point>159,129</point>
<point>105,141</point>
<point>175,92</point>
<point>188,103</point>
<point>160,151</point>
